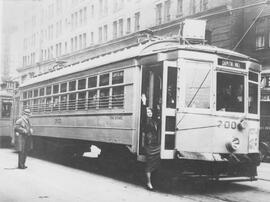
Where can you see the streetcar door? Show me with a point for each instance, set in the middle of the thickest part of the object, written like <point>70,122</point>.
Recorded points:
<point>168,114</point>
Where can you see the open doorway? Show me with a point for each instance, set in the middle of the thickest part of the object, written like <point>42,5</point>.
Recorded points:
<point>152,78</point>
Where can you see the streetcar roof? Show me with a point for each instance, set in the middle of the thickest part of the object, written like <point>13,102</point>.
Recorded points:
<point>132,52</point>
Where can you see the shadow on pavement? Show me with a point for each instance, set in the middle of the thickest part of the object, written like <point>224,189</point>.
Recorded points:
<point>134,174</point>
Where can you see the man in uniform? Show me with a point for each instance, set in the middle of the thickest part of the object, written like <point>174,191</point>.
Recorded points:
<point>23,130</point>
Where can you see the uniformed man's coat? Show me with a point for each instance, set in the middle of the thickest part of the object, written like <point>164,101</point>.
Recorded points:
<point>23,132</point>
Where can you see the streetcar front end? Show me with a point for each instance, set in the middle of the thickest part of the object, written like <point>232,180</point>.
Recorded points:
<point>217,118</point>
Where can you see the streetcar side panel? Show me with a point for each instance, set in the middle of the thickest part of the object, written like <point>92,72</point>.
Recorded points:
<point>108,116</point>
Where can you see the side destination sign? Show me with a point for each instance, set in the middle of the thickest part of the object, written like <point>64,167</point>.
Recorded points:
<point>231,63</point>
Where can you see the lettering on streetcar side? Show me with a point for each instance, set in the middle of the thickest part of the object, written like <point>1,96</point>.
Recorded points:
<point>116,117</point>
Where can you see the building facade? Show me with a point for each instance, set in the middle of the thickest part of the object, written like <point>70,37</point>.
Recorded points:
<point>60,32</point>
<point>257,41</point>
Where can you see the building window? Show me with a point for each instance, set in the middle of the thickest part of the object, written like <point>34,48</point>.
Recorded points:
<point>105,9</point>
<point>76,20</point>
<point>84,40</point>
<point>92,37</point>
<point>81,17</point>
<point>75,43</point>
<point>105,31</point>
<point>100,7</point>
<point>84,15</point>
<point>159,13</point>
<point>71,45</point>
<point>192,7</point>
<point>137,21</point>
<point>128,25</point>
<point>167,7</point>
<point>114,29</point>
<point>72,21</point>
<point>100,34</point>
<point>121,31</point>
<point>80,42</point>
<point>179,8</point>
<point>92,11</point>
<point>205,5</point>
<point>262,33</point>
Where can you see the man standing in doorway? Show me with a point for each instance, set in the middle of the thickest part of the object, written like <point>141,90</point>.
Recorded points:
<point>23,129</point>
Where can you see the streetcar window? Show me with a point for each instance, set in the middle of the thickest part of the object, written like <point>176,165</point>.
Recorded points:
<point>35,105</point>
<point>81,100</point>
<point>104,98</point>
<point>42,104</point>
<point>63,102</point>
<point>81,84</point>
<point>55,89</point>
<point>48,104</point>
<point>24,104</point>
<point>63,87</point>
<point>118,97</point>
<point>48,90</point>
<point>117,77</point>
<point>104,80</point>
<point>55,103</point>
<point>253,76</point>
<point>230,92</point>
<point>92,82</point>
<point>198,83</point>
<point>41,92</point>
<point>6,109</point>
<point>35,92</point>
<point>29,94</point>
<point>92,99</point>
<point>72,85</point>
<point>24,95</point>
<point>72,101</point>
<point>253,98</point>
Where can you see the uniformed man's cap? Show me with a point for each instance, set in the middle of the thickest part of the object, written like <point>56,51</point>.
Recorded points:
<point>27,111</point>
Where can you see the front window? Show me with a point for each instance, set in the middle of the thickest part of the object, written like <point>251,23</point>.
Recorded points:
<point>230,92</point>
<point>198,85</point>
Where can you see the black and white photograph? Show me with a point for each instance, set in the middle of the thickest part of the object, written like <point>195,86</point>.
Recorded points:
<point>134,100</point>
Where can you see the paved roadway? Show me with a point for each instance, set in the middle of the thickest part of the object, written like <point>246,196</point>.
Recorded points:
<point>81,181</point>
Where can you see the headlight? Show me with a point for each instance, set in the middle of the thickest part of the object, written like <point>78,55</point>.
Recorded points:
<point>233,145</point>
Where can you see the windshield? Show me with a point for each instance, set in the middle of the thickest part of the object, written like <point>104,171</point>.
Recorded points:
<point>197,84</point>
<point>230,92</point>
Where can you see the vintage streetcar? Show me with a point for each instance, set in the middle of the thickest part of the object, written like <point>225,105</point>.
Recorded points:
<point>6,130</point>
<point>205,98</point>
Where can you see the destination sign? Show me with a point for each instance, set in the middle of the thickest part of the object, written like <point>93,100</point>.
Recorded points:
<point>231,63</point>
